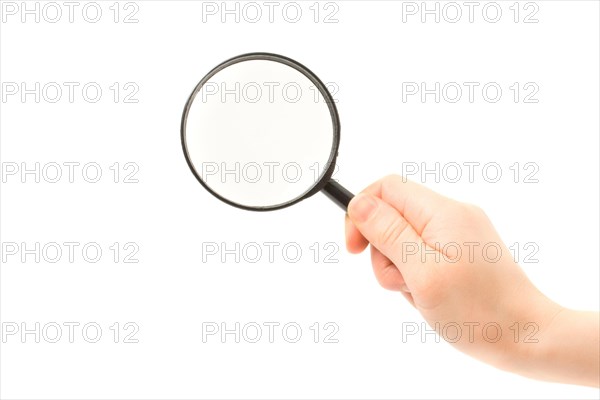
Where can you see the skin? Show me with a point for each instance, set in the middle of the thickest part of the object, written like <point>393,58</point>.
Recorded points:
<point>430,248</point>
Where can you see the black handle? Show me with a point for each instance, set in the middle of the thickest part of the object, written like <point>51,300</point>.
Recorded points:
<point>338,194</point>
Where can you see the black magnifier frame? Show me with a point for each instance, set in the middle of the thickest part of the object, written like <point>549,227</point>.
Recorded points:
<point>331,188</point>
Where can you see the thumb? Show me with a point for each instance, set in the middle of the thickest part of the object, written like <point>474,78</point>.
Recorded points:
<point>387,230</point>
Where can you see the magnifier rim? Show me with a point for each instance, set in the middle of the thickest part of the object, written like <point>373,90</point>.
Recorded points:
<point>327,172</point>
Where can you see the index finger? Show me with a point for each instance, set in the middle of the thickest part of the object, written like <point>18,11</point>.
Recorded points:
<point>415,202</point>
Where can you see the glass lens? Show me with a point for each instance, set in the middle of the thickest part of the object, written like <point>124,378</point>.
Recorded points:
<point>259,133</point>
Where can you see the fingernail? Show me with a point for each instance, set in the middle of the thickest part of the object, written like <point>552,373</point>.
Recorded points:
<point>362,207</point>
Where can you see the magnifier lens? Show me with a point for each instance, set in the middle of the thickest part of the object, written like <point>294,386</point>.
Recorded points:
<point>259,134</point>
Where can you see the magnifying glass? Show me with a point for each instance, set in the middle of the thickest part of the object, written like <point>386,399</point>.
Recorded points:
<point>261,132</point>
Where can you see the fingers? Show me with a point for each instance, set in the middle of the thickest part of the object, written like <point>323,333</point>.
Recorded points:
<point>415,202</point>
<point>385,228</point>
<point>388,276</point>
<point>355,241</point>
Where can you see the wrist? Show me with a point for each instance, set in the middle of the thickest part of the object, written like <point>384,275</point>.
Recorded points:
<point>531,333</point>
<point>566,348</point>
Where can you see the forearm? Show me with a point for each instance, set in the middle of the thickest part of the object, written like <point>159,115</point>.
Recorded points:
<point>567,351</point>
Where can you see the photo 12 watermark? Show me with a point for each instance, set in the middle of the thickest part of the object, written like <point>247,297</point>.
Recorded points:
<point>253,12</point>
<point>270,332</point>
<point>470,92</point>
<point>471,172</point>
<point>468,252</point>
<point>71,92</point>
<point>264,172</point>
<point>28,172</point>
<point>455,332</point>
<point>271,252</point>
<point>70,12</point>
<point>271,92</point>
<point>452,12</point>
<point>69,252</point>
<point>69,332</point>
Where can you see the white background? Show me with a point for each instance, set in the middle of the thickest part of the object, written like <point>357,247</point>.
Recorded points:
<point>170,292</point>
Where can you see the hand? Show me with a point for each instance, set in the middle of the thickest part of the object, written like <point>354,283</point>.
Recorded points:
<point>447,259</point>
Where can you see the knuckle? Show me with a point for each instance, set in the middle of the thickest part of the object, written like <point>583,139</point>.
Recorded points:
<point>472,212</point>
<point>466,210</point>
<point>387,284</point>
<point>478,211</point>
<point>387,279</point>
<point>394,178</point>
<point>430,290</point>
<point>393,232</point>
